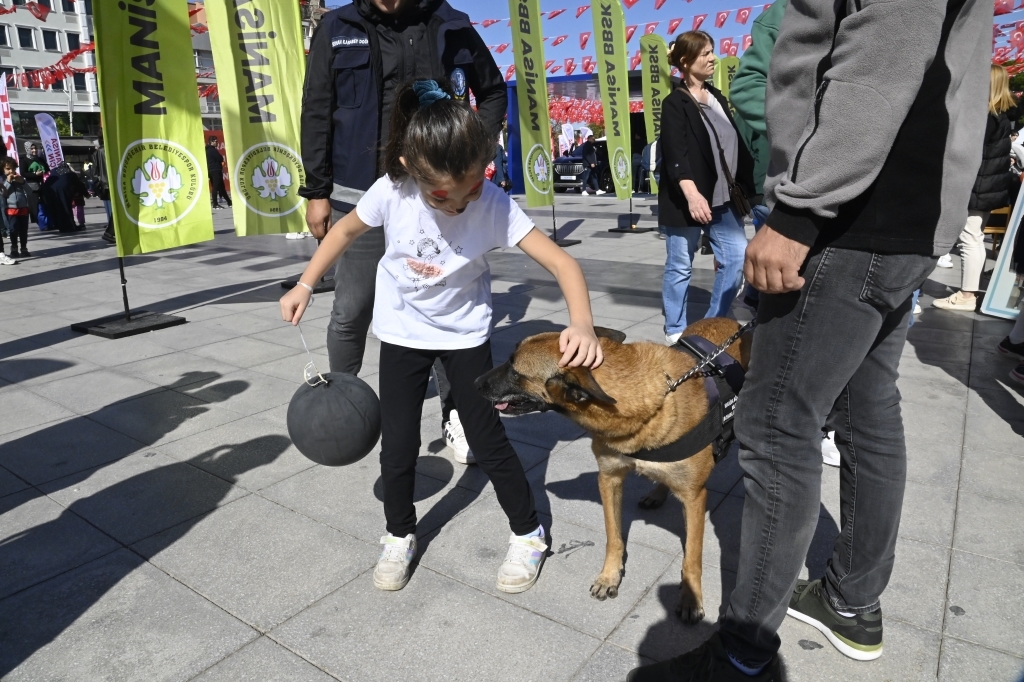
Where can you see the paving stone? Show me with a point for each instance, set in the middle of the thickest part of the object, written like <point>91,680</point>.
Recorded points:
<point>244,351</point>
<point>194,334</point>
<point>995,421</point>
<point>342,634</point>
<point>990,594</point>
<point>176,368</point>
<point>263,661</point>
<point>928,514</point>
<point>22,409</point>
<point>260,392</point>
<point>993,473</point>
<point>142,494</point>
<point>116,618</point>
<point>990,527</point>
<point>290,367</point>
<point>87,393</point>
<point>964,661</point>
<point>9,483</point>
<point>609,663</point>
<point>544,429</point>
<point>42,366</point>
<point>259,561</point>
<point>40,539</point>
<point>117,352</point>
<point>164,416</point>
<point>917,589</point>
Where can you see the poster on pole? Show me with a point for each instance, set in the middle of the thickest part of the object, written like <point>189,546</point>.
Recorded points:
<point>725,71</point>
<point>610,34</point>
<point>50,140</point>
<point>7,122</point>
<point>532,96</point>
<point>260,60</point>
<point>149,106</point>
<point>656,82</point>
<point>1005,291</point>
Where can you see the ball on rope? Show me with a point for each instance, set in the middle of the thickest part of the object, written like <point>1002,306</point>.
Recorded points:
<point>335,423</point>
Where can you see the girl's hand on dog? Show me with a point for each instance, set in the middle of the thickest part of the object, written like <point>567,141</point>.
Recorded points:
<point>580,347</point>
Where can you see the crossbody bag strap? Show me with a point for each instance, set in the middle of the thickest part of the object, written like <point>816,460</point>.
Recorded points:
<point>721,152</point>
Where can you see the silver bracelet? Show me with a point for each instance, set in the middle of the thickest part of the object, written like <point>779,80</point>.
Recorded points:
<point>303,284</point>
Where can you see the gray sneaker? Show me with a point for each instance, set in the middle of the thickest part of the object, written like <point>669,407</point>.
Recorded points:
<point>392,572</point>
<point>858,636</point>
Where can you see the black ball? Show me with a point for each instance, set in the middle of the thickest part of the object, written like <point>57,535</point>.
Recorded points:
<point>337,423</point>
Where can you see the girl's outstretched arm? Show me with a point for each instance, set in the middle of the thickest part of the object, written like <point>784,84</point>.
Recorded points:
<point>338,239</point>
<point>578,343</point>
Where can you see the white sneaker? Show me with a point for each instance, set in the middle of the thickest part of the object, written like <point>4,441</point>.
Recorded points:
<point>522,564</point>
<point>601,191</point>
<point>296,235</point>
<point>673,339</point>
<point>455,437</point>
<point>392,572</point>
<point>917,309</point>
<point>829,451</point>
<point>945,261</point>
<point>957,301</point>
<point>7,260</point>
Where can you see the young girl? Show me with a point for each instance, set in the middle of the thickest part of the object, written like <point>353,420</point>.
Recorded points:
<point>14,189</point>
<point>433,300</point>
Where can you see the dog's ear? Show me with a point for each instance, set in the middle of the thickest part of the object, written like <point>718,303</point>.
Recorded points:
<point>613,334</point>
<point>578,385</point>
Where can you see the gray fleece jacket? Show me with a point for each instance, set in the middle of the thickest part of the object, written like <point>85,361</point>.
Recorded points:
<point>876,113</point>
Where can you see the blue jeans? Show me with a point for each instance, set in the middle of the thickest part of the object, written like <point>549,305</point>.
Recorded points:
<point>729,243</point>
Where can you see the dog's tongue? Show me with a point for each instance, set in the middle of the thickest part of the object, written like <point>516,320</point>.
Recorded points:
<point>500,406</point>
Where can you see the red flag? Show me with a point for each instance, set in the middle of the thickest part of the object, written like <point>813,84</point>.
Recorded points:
<point>555,68</point>
<point>501,48</point>
<point>764,8</point>
<point>673,25</point>
<point>629,3</point>
<point>590,67</point>
<point>1002,7</point>
<point>675,71</point>
<point>634,61</point>
<point>724,45</point>
<point>649,28</point>
<point>747,42</point>
<point>554,13</point>
<point>720,17</point>
<point>548,63</point>
<point>510,72</point>
<point>659,3</point>
<point>40,12</point>
<point>584,37</point>
<point>743,14</point>
<point>490,22</point>
<point>587,64</point>
<point>698,20</point>
<point>630,30</point>
<point>570,66</point>
<point>558,40</point>
<point>581,10</point>
<point>734,49</point>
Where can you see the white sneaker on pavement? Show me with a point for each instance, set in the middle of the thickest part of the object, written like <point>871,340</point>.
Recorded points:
<point>601,191</point>
<point>673,339</point>
<point>829,451</point>
<point>945,261</point>
<point>957,301</point>
<point>522,563</point>
<point>455,437</point>
<point>295,235</point>
<point>392,572</point>
<point>7,260</point>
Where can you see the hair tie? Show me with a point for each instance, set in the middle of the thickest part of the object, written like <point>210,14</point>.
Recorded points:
<point>429,92</point>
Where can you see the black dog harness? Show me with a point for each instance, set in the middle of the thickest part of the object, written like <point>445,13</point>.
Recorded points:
<point>723,379</point>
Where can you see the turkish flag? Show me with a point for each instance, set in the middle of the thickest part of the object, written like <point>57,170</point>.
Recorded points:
<point>765,8</point>
<point>635,61</point>
<point>629,3</point>
<point>555,68</point>
<point>587,64</point>
<point>630,30</point>
<point>1002,7</point>
<point>584,37</point>
<point>40,12</point>
<point>570,66</point>
<point>501,48</point>
<point>724,45</point>
<point>510,72</point>
<point>720,18</point>
<point>743,14</point>
<point>659,3</point>
<point>554,13</point>
<point>548,63</point>
<point>747,42</point>
<point>490,22</point>
<point>559,40</point>
<point>734,49</point>
<point>673,25</point>
<point>581,10</point>
<point>698,20</point>
<point>649,28</point>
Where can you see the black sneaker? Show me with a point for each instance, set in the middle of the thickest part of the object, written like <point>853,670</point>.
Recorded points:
<point>1017,373</point>
<point>14,252</point>
<point>1014,350</point>
<point>707,663</point>
<point>858,636</point>
<point>25,253</point>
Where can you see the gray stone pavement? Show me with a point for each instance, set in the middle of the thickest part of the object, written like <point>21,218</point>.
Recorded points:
<point>157,524</point>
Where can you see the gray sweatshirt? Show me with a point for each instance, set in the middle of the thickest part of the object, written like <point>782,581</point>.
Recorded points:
<point>876,115</point>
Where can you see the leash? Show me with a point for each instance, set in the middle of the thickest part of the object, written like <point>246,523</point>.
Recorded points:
<point>709,359</point>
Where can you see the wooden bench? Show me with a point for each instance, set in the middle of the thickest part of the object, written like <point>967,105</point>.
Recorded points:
<point>997,231</point>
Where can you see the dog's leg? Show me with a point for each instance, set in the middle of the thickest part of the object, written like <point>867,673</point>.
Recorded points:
<point>655,498</point>
<point>691,596</point>
<point>610,485</point>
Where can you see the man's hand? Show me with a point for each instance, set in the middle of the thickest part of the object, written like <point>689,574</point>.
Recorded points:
<point>318,217</point>
<point>773,262</point>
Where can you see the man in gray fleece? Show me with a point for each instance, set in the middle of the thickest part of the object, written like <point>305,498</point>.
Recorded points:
<point>875,116</point>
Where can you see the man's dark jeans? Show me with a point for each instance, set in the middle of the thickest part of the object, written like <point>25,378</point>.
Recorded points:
<point>828,352</point>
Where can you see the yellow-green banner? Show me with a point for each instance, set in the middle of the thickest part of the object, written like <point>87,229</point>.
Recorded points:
<point>532,96</point>
<point>149,105</point>
<point>610,34</point>
<point>725,71</point>
<point>657,83</point>
<point>260,60</point>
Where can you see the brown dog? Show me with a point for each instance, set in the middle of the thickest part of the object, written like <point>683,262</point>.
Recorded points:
<point>626,406</point>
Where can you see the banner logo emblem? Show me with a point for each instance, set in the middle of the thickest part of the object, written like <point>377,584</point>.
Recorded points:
<point>459,83</point>
<point>267,176</point>
<point>621,166</point>
<point>538,168</point>
<point>158,182</point>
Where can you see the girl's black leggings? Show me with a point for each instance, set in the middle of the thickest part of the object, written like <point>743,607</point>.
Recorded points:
<point>404,373</point>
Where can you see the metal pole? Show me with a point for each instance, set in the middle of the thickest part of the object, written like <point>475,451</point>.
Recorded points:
<point>71,108</point>
<point>124,289</point>
<point>554,225</point>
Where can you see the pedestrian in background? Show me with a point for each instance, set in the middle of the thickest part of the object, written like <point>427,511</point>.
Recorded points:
<point>33,178</point>
<point>215,167</point>
<point>15,191</point>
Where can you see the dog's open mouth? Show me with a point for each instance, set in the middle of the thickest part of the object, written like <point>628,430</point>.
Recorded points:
<point>513,405</point>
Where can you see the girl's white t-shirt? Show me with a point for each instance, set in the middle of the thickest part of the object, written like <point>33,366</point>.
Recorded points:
<point>433,287</point>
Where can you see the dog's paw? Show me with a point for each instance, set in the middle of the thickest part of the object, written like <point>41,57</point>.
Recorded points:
<point>655,498</point>
<point>604,588</point>
<point>689,613</point>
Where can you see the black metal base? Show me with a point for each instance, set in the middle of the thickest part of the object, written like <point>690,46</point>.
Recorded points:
<point>117,327</point>
<point>322,287</point>
<point>632,230</point>
<point>567,242</point>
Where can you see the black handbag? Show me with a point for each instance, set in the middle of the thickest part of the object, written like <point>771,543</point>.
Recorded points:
<point>736,195</point>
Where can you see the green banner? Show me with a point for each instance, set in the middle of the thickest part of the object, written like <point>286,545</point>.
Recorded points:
<point>532,95</point>
<point>149,106</point>
<point>725,71</point>
<point>657,84</point>
<point>610,34</point>
<point>260,59</point>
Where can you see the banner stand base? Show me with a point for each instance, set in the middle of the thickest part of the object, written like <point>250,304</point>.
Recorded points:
<point>118,326</point>
<point>632,230</point>
<point>567,242</point>
<point>322,287</point>
<point>628,225</point>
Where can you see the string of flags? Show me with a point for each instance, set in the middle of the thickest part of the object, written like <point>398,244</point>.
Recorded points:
<point>58,71</point>
<point>741,17</point>
<point>39,11</point>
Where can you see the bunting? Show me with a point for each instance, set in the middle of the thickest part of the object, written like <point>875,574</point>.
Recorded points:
<point>630,30</point>
<point>743,14</point>
<point>584,37</point>
<point>581,10</point>
<point>673,25</point>
<point>720,18</point>
<point>651,27</point>
<point>698,20</point>
<point>554,13</point>
<point>558,40</point>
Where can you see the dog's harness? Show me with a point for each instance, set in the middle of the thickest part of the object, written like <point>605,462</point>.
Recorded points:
<point>723,379</point>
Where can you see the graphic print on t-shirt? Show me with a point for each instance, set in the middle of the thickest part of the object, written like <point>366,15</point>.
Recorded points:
<point>422,271</point>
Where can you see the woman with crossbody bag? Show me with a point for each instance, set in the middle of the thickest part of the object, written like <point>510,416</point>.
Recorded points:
<point>707,173</point>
